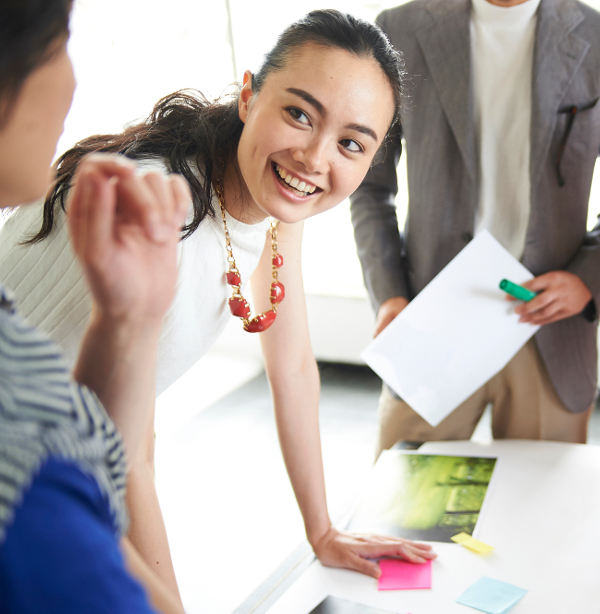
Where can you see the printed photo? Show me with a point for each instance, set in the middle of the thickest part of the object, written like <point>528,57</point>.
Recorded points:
<point>424,497</point>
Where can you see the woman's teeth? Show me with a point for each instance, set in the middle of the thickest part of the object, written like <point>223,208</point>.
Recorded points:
<point>294,182</point>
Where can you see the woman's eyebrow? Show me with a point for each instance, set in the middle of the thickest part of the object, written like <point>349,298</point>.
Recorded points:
<point>309,98</point>
<point>363,129</point>
<point>323,111</point>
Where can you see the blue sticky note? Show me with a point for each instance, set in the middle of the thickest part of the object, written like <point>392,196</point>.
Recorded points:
<point>492,596</point>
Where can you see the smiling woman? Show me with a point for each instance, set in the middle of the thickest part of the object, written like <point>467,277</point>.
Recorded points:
<point>322,142</point>
<point>296,141</point>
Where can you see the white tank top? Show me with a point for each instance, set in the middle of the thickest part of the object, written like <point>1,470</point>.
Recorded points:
<point>52,293</point>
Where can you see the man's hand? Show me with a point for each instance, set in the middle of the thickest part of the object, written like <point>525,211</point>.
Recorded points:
<point>388,311</point>
<point>560,295</point>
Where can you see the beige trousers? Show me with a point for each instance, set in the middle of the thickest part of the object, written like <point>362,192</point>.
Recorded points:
<point>524,406</point>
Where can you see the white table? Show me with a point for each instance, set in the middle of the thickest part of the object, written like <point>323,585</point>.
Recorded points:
<point>543,518</point>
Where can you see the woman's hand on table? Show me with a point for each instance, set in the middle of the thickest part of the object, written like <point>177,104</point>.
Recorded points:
<point>351,550</point>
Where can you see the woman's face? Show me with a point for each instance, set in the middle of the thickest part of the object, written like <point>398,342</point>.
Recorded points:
<point>28,139</point>
<point>311,132</point>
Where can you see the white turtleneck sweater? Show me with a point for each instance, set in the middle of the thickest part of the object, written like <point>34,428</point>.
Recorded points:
<point>502,40</point>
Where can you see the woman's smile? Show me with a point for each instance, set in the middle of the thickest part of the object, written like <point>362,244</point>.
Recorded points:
<point>303,187</point>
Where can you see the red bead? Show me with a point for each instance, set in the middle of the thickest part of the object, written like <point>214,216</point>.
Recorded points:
<point>239,307</point>
<point>233,279</point>
<point>277,292</point>
<point>277,260</point>
<point>261,322</point>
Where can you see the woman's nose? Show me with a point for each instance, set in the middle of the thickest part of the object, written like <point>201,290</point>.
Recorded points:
<point>313,155</point>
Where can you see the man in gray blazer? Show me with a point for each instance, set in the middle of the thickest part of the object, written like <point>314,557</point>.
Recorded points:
<point>502,131</point>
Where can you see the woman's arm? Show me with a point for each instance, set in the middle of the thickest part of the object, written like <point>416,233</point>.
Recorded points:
<point>159,595</point>
<point>125,230</point>
<point>147,531</point>
<point>294,379</point>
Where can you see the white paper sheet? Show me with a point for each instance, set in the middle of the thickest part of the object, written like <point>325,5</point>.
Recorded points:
<point>456,334</point>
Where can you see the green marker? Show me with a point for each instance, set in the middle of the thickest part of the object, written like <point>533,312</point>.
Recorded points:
<point>520,293</point>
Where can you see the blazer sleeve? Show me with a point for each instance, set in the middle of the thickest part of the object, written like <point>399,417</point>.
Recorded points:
<point>586,265</point>
<point>378,239</point>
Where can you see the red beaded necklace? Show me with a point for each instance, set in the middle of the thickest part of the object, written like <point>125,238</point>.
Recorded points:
<point>237,303</point>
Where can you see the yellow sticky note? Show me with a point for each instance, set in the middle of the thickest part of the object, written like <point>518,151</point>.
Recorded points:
<point>464,539</point>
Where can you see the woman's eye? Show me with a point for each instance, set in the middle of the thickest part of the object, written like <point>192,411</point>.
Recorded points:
<point>299,115</point>
<point>351,145</point>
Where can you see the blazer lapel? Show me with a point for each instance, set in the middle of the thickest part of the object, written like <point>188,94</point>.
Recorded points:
<point>557,55</point>
<point>446,47</point>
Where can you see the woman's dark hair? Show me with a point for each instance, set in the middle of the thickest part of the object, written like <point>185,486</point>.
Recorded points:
<point>330,28</point>
<point>29,30</point>
<point>195,137</point>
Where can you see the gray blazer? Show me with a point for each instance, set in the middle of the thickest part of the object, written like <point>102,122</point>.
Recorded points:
<point>443,169</point>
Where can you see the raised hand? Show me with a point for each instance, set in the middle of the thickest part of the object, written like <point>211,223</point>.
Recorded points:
<point>125,228</point>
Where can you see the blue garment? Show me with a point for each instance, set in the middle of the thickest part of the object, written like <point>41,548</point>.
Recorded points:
<point>60,555</point>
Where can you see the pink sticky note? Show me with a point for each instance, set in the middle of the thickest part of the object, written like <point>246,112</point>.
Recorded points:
<point>397,574</point>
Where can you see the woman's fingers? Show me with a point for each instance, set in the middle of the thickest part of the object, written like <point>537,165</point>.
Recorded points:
<point>411,551</point>
<point>91,213</point>
<point>155,202</point>
<point>182,196</point>
<point>161,218</point>
<point>158,203</point>
<point>87,202</point>
<point>125,228</point>
<point>110,164</point>
<point>369,568</point>
<point>353,551</point>
<point>139,205</point>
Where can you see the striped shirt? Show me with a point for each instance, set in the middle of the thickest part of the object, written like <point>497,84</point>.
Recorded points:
<point>44,413</point>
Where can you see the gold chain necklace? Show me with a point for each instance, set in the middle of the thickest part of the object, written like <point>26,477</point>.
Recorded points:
<point>237,303</point>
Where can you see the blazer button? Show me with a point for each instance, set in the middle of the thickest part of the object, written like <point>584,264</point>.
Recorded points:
<point>466,237</point>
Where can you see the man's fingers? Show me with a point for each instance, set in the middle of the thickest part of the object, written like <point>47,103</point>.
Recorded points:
<point>551,314</point>
<point>541,301</point>
<point>381,325</point>
<point>383,321</point>
<point>539,283</point>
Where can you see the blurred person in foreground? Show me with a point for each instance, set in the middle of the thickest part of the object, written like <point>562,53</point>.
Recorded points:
<point>62,459</point>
